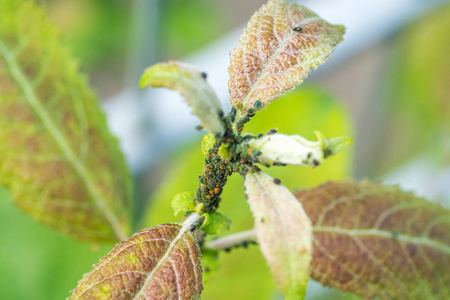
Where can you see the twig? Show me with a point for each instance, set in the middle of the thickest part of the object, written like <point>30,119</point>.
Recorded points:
<point>233,240</point>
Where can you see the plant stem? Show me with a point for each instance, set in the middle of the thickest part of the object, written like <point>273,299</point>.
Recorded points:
<point>233,240</point>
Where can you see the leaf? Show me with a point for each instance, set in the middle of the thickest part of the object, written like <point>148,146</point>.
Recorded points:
<point>284,233</point>
<point>183,202</point>
<point>282,43</point>
<point>161,262</point>
<point>207,143</point>
<point>295,149</point>
<point>377,240</point>
<point>193,86</point>
<point>58,159</point>
<point>215,223</point>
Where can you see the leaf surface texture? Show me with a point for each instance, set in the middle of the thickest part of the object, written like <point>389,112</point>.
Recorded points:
<point>57,157</point>
<point>282,43</point>
<point>283,231</point>
<point>377,240</point>
<point>161,262</point>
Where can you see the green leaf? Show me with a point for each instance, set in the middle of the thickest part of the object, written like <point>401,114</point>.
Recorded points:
<point>333,146</point>
<point>215,223</point>
<point>58,159</point>
<point>224,152</point>
<point>183,202</point>
<point>207,143</point>
<point>300,112</point>
<point>284,233</point>
<point>377,240</point>
<point>159,262</point>
<point>282,43</point>
<point>193,86</point>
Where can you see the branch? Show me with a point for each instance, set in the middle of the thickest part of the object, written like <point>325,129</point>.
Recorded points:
<point>233,240</point>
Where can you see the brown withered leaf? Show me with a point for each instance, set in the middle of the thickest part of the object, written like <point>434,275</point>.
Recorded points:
<point>161,262</point>
<point>377,240</point>
<point>282,43</point>
<point>284,232</point>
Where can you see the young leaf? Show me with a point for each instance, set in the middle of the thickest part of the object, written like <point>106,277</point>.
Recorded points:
<point>183,202</point>
<point>192,85</point>
<point>296,150</point>
<point>283,231</point>
<point>377,240</point>
<point>207,143</point>
<point>282,43</point>
<point>161,262</point>
<point>58,159</point>
<point>215,223</point>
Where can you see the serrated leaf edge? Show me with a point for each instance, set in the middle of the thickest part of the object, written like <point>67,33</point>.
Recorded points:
<point>272,57</point>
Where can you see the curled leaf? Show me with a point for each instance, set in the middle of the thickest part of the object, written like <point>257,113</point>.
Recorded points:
<point>193,86</point>
<point>296,150</point>
<point>57,157</point>
<point>161,262</point>
<point>378,241</point>
<point>282,43</point>
<point>215,223</point>
<point>224,151</point>
<point>284,232</point>
<point>207,143</point>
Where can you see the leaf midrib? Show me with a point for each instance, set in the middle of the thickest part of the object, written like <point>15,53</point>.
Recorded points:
<point>33,101</point>
<point>186,226</point>
<point>423,241</point>
<point>271,59</point>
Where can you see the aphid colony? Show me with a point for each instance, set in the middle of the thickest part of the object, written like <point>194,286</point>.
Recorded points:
<point>230,154</point>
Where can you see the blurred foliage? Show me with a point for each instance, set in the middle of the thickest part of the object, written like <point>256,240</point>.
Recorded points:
<point>244,273</point>
<point>189,25</point>
<point>417,96</point>
<point>92,28</point>
<point>37,262</point>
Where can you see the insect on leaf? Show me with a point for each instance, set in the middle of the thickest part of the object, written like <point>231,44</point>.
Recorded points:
<point>161,262</point>
<point>194,88</point>
<point>283,231</point>
<point>57,157</point>
<point>376,240</point>
<point>296,150</point>
<point>282,43</point>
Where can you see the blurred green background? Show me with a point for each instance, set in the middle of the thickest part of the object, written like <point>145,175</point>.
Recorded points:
<point>404,118</point>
